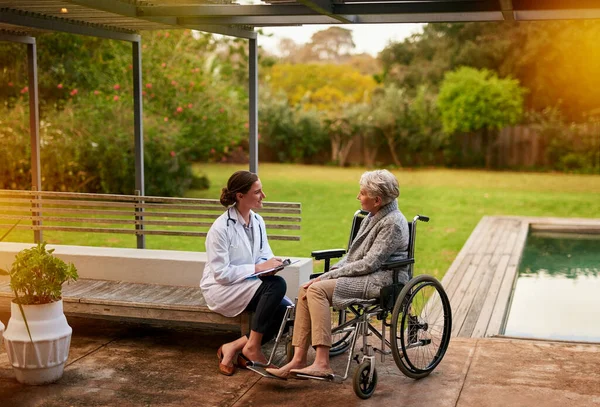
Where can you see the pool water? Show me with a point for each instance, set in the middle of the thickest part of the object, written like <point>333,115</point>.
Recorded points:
<point>557,293</point>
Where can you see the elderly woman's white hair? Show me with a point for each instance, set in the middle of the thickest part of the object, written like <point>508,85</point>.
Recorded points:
<point>381,183</point>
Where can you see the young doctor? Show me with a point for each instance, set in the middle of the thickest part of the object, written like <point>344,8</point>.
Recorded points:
<point>237,246</point>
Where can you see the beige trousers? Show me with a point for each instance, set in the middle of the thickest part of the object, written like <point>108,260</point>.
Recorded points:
<point>312,324</point>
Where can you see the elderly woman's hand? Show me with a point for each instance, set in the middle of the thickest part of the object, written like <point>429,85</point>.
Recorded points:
<point>308,284</point>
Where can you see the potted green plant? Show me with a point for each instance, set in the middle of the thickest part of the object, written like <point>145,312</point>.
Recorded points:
<point>1,239</point>
<point>38,337</point>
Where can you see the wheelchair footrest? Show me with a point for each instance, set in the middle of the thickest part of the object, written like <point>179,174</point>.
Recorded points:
<point>261,371</point>
<point>331,378</point>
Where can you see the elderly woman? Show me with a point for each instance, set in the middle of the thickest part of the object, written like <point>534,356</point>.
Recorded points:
<point>237,247</point>
<point>382,234</point>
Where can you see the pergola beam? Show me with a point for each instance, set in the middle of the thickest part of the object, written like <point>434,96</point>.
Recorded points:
<point>574,14</point>
<point>323,12</point>
<point>232,10</point>
<point>63,25</point>
<point>299,14</point>
<point>132,11</point>
<point>325,7</point>
<point>16,38</point>
<point>211,27</point>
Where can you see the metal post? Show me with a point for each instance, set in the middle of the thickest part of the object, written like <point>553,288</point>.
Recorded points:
<point>253,104</point>
<point>139,135</point>
<point>34,132</point>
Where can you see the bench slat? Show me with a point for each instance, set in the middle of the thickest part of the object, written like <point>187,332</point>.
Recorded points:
<point>129,198</point>
<point>42,204</point>
<point>26,211</point>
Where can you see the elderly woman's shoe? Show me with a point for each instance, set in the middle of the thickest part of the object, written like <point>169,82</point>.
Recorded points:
<point>224,369</point>
<point>311,371</point>
<point>282,374</point>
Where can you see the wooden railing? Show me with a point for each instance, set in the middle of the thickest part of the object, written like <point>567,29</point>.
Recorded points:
<point>132,214</point>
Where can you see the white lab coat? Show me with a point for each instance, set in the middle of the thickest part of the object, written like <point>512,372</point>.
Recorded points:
<point>230,258</point>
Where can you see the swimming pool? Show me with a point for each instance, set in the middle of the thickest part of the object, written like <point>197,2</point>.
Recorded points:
<point>557,292</point>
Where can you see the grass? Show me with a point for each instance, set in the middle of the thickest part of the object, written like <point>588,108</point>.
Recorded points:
<point>455,200</point>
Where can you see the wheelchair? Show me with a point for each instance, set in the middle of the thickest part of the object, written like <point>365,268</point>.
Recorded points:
<point>417,315</point>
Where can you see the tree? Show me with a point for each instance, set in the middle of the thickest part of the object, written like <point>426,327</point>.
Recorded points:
<point>331,44</point>
<point>344,127</point>
<point>557,61</point>
<point>390,108</point>
<point>324,87</point>
<point>473,100</point>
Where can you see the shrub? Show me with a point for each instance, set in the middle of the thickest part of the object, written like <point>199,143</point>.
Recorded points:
<point>570,147</point>
<point>294,134</point>
<point>88,147</point>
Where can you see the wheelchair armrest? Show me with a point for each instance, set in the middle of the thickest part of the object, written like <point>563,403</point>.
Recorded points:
<point>315,275</point>
<point>328,254</point>
<point>397,264</point>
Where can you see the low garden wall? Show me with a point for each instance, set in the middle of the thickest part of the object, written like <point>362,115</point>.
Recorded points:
<point>166,267</point>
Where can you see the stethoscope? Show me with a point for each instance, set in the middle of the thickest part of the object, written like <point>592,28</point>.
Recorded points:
<point>229,218</point>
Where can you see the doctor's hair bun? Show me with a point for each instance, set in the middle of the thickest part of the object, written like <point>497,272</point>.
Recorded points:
<point>227,198</point>
<point>239,182</point>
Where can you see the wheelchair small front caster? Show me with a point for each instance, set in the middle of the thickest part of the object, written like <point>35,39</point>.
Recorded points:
<point>362,387</point>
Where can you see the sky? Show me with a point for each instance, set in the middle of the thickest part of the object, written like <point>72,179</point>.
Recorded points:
<point>369,38</point>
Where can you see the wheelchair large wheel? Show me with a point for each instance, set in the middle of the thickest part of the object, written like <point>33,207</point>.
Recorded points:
<point>340,341</point>
<point>362,387</point>
<point>421,326</point>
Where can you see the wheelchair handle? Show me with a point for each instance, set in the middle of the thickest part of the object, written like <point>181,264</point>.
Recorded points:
<point>422,218</point>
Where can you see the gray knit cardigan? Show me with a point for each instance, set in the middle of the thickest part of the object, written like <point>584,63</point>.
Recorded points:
<point>380,237</point>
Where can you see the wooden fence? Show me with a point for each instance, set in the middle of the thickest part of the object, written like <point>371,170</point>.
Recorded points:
<point>515,147</point>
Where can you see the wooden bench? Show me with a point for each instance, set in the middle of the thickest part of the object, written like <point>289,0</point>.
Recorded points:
<point>132,214</point>
<point>137,302</point>
<point>131,283</point>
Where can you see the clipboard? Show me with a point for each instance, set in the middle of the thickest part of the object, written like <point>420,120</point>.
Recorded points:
<point>286,262</point>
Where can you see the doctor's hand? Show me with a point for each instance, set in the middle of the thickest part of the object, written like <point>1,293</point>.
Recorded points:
<point>269,264</point>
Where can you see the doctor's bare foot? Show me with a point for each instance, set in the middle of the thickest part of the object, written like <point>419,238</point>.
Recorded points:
<point>254,354</point>
<point>229,352</point>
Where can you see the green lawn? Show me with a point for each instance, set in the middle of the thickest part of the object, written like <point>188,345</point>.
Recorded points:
<point>454,199</point>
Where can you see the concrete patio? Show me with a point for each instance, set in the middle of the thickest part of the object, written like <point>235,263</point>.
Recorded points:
<point>125,364</point>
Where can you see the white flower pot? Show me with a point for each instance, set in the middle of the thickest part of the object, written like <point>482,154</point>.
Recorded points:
<point>42,361</point>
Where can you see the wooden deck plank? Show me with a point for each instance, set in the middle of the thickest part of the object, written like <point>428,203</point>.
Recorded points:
<point>469,289</point>
<point>490,299</point>
<point>502,303</point>
<point>504,238</point>
<point>498,227</point>
<point>452,272</point>
<point>483,292</point>
<point>483,273</point>
<point>451,287</point>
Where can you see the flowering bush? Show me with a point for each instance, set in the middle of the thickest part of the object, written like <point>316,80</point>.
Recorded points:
<point>194,106</point>
<point>89,147</point>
